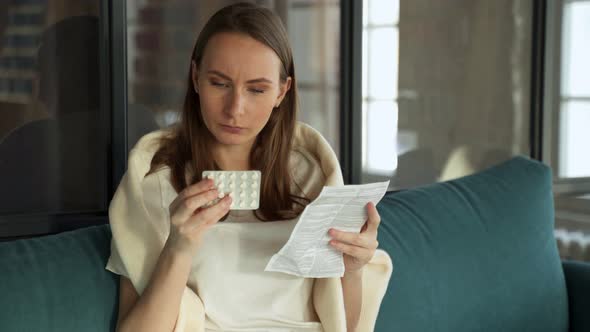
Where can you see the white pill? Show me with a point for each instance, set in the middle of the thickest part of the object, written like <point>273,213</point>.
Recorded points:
<point>244,176</point>
<point>253,195</point>
<point>221,195</point>
<point>242,204</point>
<point>255,176</point>
<point>254,185</point>
<point>253,204</point>
<point>243,185</point>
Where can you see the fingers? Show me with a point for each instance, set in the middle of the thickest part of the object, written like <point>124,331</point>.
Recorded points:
<point>362,254</point>
<point>373,219</point>
<point>186,208</point>
<point>209,216</point>
<point>197,188</point>
<point>355,239</point>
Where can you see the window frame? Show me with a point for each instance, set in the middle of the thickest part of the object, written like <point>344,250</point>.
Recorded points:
<point>351,30</point>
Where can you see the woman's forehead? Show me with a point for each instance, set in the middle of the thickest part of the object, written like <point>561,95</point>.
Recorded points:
<point>237,54</point>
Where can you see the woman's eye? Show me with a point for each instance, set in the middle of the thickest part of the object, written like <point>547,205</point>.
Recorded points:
<point>257,91</point>
<point>218,84</point>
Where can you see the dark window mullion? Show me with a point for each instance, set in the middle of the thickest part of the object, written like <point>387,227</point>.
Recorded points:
<point>351,27</point>
<point>537,78</point>
<point>118,80</point>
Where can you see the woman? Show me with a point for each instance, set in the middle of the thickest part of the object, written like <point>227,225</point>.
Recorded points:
<point>184,270</point>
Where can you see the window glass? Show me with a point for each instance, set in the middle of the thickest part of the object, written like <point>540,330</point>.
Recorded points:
<point>446,87</point>
<point>53,150</point>
<point>574,116</point>
<point>160,36</point>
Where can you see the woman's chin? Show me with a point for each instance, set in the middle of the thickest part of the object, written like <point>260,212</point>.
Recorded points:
<point>231,139</point>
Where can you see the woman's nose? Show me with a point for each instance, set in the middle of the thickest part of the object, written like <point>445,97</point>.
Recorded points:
<point>236,104</point>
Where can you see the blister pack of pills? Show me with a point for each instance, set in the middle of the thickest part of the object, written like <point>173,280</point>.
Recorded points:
<point>244,187</point>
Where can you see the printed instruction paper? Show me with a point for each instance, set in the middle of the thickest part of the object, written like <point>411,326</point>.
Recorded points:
<point>307,253</point>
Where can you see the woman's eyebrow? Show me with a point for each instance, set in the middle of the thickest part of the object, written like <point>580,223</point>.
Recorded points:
<point>256,80</point>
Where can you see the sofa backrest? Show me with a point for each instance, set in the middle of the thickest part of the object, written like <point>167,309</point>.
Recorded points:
<point>58,283</point>
<point>474,254</point>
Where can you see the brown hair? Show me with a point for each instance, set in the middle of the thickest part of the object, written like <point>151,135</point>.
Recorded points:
<point>188,145</point>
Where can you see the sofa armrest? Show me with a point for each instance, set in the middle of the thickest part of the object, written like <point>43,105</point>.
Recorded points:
<point>577,277</point>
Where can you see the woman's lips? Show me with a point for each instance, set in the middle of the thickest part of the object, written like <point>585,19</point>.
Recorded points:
<point>231,129</point>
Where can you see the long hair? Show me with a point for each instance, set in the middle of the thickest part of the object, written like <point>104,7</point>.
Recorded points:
<point>188,146</point>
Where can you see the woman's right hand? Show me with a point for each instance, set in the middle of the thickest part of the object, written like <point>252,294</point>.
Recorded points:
<point>189,219</point>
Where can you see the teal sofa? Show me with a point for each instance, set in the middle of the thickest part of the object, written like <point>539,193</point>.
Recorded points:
<point>473,254</point>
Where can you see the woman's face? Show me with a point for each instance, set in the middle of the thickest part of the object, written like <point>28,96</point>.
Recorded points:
<point>238,85</point>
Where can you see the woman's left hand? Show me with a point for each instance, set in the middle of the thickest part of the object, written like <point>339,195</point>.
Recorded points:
<point>358,248</point>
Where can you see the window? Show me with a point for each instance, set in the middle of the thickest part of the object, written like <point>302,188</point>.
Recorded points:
<point>160,36</point>
<point>574,117</point>
<point>314,32</point>
<point>446,88</point>
<point>53,143</point>
<point>568,95</point>
<point>566,139</point>
<point>379,95</point>
<point>81,81</point>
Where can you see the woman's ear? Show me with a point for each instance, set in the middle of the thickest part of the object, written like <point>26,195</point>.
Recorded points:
<point>195,76</point>
<point>284,88</point>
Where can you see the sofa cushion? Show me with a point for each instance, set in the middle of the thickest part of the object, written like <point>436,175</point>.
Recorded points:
<point>58,283</point>
<point>474,254</point>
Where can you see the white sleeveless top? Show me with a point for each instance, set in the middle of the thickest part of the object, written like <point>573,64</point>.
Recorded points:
<point>228,270</point>
<point>238,295</point>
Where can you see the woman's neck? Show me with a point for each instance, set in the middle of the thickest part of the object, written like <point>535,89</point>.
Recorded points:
<point>232,157</point>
